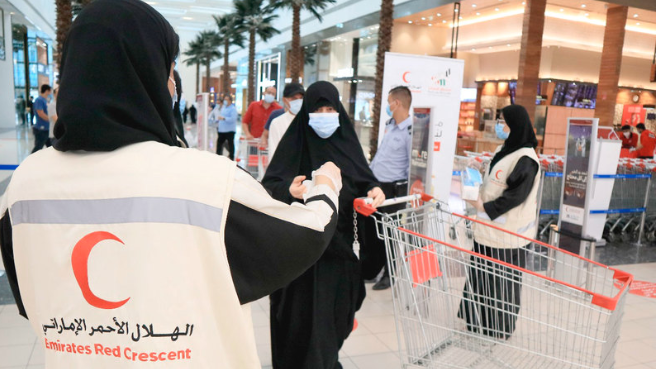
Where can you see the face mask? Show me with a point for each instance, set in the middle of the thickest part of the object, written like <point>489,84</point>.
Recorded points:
<point>174,98</point>
<point>388,110</point>
<point>295,106</point>
<point>501,134</point>
<point>324,124</point>
<point>225,103</point>
<point>627,134</point>
<point>268,98</point>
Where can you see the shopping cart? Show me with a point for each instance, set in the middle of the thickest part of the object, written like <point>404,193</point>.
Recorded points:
<point>253,157</point>
<point>457,308</point>
<point>550,193</point>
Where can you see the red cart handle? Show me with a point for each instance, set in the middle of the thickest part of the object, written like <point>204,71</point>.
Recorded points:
<point>363,204</point>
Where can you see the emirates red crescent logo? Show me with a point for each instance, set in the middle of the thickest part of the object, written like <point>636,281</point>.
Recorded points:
<point>80,264</point>
<point>405,77</point>
<point>497,173</point>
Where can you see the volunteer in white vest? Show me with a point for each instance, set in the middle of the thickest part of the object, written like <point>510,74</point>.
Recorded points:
<point>126,251</point>
<point>508,200</point>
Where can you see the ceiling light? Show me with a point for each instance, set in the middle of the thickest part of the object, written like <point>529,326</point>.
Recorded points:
<point>496,9</point>
<point>637,24</point>
<point>583,5</point>
<point>508,45</point>
<point>430,25</point>
<point>444,21</point>
<point>587,14</point>
<point>410,22</point>
<point>473,5</point>
<point>478,13</point>
<point>455,10</point>
<point>187,18</point>
<point>459,17</point>
<point>423,18</point>
<point>439,14</point>
<point>635,15</point>
<point>489,47</point>
<point>562,10</point>
<point>523,2</point>
<point>473,49</point>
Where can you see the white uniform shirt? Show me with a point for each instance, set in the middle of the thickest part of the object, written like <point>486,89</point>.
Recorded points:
<point>277,130</point>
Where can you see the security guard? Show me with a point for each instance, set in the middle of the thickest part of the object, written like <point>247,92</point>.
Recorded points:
<point>391,166</point>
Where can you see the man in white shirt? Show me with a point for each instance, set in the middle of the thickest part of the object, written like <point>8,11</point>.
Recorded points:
<point>292,97</point>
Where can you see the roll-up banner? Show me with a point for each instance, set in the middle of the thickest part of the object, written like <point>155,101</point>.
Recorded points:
<point>577,180</point>
<point>435,84</point>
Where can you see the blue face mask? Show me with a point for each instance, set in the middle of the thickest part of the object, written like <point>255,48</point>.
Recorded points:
<point>225,103</point>
<point>324,124</point>
<point>295,106</point>
<point>388,110</point>
<point>268,98</point>
<point>501,134</point>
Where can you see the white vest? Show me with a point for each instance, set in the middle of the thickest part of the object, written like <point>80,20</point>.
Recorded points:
<point>521,219</point>
<point>121,260</point>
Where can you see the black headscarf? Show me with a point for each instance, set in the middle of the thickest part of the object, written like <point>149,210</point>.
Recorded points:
<point>301,150</point>
<point>521,132</point>
<point>115,66</point>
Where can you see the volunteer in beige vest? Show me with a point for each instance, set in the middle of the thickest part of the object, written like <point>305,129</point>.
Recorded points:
<point>125,251</point>
<point>508,200</point>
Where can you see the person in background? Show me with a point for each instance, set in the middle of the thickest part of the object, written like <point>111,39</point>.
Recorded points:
<point>193,113</point>
<point>177,115</point>
<point>30,110</point>
<point>390,166</point>
<point>52,115</point>
<point>20,109</point>
<point>629,139</point>
<point>226,115</point>
<point>274,114</point>
<point>257,114</point>
<point>508,200</point>
<point>42,127</point>
<point>646,142</point>
<point>313,315</point>
<point>185,114</point>
<point>292,97</point>
<point>188,239</point>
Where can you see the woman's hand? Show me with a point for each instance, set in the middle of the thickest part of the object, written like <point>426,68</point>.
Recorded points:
<point>478,205</point>
<point>297,189</point>
<point>377,194</point>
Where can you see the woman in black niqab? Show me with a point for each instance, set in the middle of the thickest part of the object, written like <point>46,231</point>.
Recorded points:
<point>114,73</point>
<point>312,316</point>
<point>521,132</point>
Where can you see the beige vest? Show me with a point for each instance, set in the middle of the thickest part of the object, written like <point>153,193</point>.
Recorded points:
<point>121,260</point>
<point>521,219</point>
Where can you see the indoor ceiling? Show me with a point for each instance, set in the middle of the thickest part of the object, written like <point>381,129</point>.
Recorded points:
<point>474,11</point>
<point>191,15</point>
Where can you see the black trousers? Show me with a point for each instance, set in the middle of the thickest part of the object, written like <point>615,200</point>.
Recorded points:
<point>493,292</point>
<point>223,137</point>
<point>40,138</point>
<point>372,254</point>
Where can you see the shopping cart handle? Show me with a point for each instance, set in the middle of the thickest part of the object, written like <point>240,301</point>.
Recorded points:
<point>363,204</point>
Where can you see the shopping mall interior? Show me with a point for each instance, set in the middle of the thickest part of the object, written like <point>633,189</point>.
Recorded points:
<point>560,59</point>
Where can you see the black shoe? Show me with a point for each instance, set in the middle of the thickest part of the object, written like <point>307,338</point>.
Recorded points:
<point>383,284</point>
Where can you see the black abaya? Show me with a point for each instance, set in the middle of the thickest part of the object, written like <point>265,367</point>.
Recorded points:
<point>313,315</point>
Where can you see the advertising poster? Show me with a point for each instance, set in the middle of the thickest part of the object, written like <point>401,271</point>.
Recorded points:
<point>435,84</point>
<point>633,114</point>
<point>581,135</point>
<point>202,106</point>
<point>419,152</point>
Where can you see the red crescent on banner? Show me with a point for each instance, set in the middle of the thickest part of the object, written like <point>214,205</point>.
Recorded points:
<point>80,263</point>
<point>404,77</point>
<point>497,173</point>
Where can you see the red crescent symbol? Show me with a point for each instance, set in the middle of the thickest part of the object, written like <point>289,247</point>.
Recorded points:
<point>497,173</point>
<point>404,77</point>
<point>80,259</point>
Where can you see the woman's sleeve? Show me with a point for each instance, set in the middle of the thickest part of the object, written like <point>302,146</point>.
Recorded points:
<point>270,243</point>
<point>520,182</point>
<point>7,256</point>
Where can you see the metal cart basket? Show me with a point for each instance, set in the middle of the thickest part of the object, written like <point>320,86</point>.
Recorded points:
<point>457,307</point>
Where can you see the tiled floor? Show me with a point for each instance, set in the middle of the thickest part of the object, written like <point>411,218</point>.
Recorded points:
<point>373,345</point>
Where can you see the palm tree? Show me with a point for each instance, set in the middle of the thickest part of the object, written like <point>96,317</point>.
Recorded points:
<point>195,57</point>
<point>210,42</point>
<point>312,6</point>
<point>64,10</point>
<point>231,32</point>
<point>256,20</point>
<point>384,45</point>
